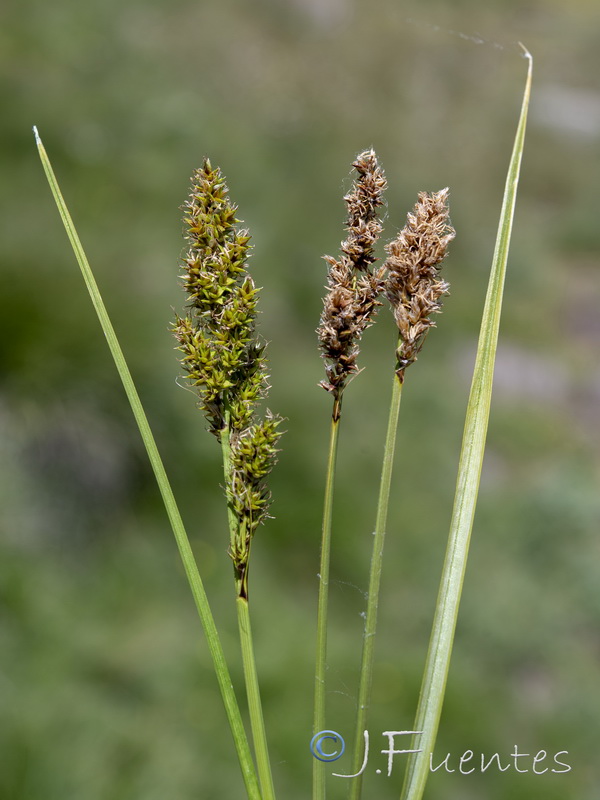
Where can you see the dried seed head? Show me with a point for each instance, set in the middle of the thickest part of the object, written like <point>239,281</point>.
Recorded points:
<point>412,285</point>
<point>353,286</point>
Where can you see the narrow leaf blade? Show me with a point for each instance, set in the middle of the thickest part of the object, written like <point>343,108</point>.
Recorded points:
<point>183,544</point>
<point>467,487</point>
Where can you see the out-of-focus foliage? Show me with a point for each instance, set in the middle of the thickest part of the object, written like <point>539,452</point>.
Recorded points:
<point>106,686</point>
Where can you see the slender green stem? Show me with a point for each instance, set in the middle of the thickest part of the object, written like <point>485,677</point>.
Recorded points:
<point>183,544</point>
<point>366,668</point>
<point>323,601</point>
<point>469,470</point>
<point>254,704</point>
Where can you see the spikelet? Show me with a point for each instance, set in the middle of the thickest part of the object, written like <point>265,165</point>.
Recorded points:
<point>216,336</point>
<point>413,286</point>
<point>353,286</point>
<point>221,353</point>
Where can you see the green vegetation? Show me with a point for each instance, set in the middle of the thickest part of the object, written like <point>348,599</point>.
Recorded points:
<point>106,692</point>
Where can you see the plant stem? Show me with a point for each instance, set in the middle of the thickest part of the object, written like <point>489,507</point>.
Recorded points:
<point>226,452</point>
<point>366,668</point>
<point>323,601</point>
<point>469,470</point>
<point>183,544</point>
<point>257,722</point>
<point>254,703</point>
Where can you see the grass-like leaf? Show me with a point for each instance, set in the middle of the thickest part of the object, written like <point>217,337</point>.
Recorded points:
<point>185,550</point>
<point>467,487</point>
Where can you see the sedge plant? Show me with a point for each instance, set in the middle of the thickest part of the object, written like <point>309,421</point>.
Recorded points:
<point>437,665</point>
<point>181,537</point>
<point>353,290</point>
<point>224,360</point>
<point>414,290</point>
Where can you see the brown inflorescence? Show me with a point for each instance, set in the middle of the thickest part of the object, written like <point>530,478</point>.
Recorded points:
<point>413,285</point>
<point>353,286</point>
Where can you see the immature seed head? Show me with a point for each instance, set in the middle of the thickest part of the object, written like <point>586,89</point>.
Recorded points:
<point>222,356</point>
<point>353,286</point>
<point>413,286</point>
<point>253,455</point>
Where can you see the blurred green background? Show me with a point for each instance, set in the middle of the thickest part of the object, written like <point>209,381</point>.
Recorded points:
<point>106,688</point>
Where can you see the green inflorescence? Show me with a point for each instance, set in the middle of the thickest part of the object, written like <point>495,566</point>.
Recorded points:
<point>222,355</point>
